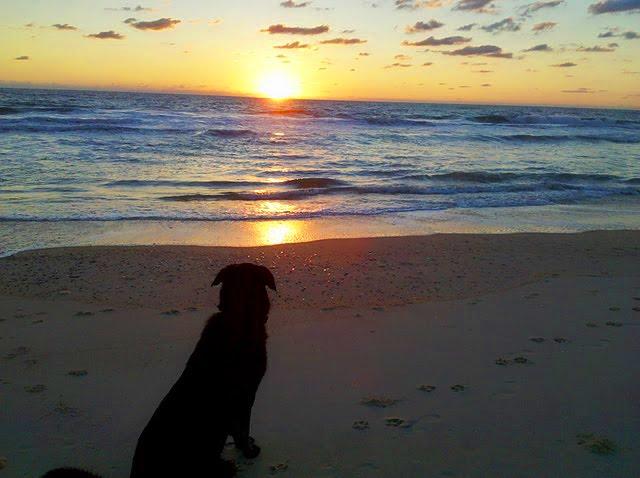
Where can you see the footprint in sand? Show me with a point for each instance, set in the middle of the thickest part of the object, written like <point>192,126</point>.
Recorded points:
<point>107,311</point>
<point>521,360</point>
<point>636,309</point>
<point>35,388</point>
<point>83,313</point>
<point>502,361</point>
<point>614,309</point>
<point>397,422</point>
<point>533,295</point>
<point>458,388</point>
<point>278,468</point>
<point>426,388</point>
<point>537,340</point>
<point>560,340</point>
<point>360,425</point>
<point>17,352</point>
<point>596,444</point>
<point>593,325</point>
<point>379,402</point>
<point>611,323</point>
<point>77,373</point>
<point>171,312</point>
<point>64,409</point>
<point>3,462</point>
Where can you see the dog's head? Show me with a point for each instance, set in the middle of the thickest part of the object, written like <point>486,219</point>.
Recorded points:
<point>243,288</point>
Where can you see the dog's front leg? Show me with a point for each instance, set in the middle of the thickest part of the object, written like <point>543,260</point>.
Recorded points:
<point>241,425</point>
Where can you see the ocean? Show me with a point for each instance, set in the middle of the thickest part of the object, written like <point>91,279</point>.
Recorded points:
<point>101,157</point>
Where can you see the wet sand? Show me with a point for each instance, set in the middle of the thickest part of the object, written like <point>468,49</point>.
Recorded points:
<point>445,355</point>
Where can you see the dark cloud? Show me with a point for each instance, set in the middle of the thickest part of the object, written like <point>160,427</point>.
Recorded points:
<point>416,4</point>
<point>567,64</point>
<point>608,34</point>
<point>482,6</point>
<point>282,29</point>
<point>506,25</point>
<point>483,50</point>
<point>630,35</point>
<point>292,4</point>
<point>597,49</point>
<point>541,47</point>
<point>427,63</point>
<point>424,26</point>
<point>139,8</point>
<point>466,28</point>
<point>110,35</point>
<point>531,8</point>
<point>156,25</point>
<point>543,27</point>
<point>612,6</point>
<point>64,26</point>
<point>343,41</point>
<point>292,46</point>
<point>485,85</point>
<point>579,90</point>
<point>364,54</point>
<point>432,41</point>
<point>615,32</point>
<point>22,58</point>
<point>398,65</point>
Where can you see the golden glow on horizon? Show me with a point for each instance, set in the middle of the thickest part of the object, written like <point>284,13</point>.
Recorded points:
<point>278,85</point>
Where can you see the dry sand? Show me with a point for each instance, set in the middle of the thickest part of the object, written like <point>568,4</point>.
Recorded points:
<point>445,355</point>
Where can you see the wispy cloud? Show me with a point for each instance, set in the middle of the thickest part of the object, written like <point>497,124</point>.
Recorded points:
<point>567,64</point>
<point>64,26</point>
<point>505,25</point>
<point>156,25</point>
<point>480,6</point>
<point>466,28</point>
<point>108,35</point>
<point>138,8</point>
<point>613,6</point>
<point>531,8</point>
<point>432,41</point>
<point>483,50</point>
<point>424,26</point>
<point>579,90</point>
<point>543,27</point>
<point>292,4</point>
<point>541,47</point>
<point>22,58</point>
<point>597,49</point>
<point>292,46</point>
<point>283,29</point>
<point>343,41</point>
<point>398,65</point>
<point>416,4</point>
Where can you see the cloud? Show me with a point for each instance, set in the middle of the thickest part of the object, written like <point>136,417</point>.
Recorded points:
<point>22,58</point>
<point>610,33</point>
<point>466,28</point>
<point>292,4</point>
<point>282,29</point>
<point>579,90</point>
<point>398,65</point>
<point>432,41</point>
<point>424,26</point>
<point>343,41</point>
<point>156,25</point>
<point>613,6</point>
<point>631,35</point>
<point>614,32</point>
<point>567,64</point>
<point>416,4</point>
<point>110,35</point>
<point>597,49</point>
<point>364,54</point>
<point>429,63</point>
<point>541,47</point>
<point>485,85</point>
<point>506,25</point>
<point>64,26</point>
<point>139,8</point>
<point>543,27</point>
<point>531,8</point>
<point>402,57</point>
<point>483,50</point>
<point>480,6</point>
<point>292,46</point>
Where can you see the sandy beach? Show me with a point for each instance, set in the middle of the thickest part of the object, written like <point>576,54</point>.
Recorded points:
<point>459,355</point>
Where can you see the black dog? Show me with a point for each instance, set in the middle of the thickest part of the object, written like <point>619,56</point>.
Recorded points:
<point>213,397</point>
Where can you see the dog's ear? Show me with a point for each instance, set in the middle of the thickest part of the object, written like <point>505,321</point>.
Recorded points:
<point>267,278</point>
<point>220,278</point>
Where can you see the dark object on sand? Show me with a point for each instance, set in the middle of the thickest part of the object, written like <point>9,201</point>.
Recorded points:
<point>213,397</point>
<point>69,473</point>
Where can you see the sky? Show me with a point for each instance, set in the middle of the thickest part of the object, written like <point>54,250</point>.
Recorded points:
<point>552,52</point>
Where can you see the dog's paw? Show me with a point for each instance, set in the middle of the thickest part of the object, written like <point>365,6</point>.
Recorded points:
<point>250,449</point>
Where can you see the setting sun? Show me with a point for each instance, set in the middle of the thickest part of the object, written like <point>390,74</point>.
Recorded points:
<point>278,86</point>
